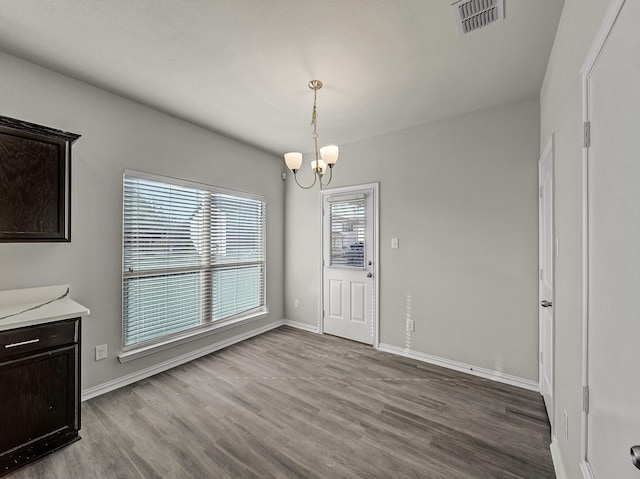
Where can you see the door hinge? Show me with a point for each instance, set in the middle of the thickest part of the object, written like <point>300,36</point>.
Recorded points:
<point>541,191</point>
<point>585,399</point>
<point>586,134</point>
<point>541,361</point>
<point>540,274</point>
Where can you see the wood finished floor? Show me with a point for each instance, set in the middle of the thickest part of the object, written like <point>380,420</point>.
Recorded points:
<point>293,404</point>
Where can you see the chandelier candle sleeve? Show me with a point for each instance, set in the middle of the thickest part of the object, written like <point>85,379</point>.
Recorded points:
<point>326,157</point>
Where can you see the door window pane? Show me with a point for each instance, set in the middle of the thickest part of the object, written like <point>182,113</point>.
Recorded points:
<point>347,232</point>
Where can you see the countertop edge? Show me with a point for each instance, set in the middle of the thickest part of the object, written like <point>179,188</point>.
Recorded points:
<point>55,311</point>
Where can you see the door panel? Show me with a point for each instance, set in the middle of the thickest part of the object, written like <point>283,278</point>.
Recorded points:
<point>358,295</point>
<point>613,286</point>
<point>335,298</point>
<point>348,264</point>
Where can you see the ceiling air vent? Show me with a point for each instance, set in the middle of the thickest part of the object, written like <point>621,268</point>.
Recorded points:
<point>472,15</point>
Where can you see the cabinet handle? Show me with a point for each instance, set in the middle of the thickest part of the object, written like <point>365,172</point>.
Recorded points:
<point>23,343</point>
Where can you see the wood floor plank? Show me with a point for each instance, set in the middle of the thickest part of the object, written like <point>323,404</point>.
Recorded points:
<point>293,404</point>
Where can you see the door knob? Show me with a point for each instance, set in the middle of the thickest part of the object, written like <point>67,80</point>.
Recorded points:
<point>546,304</point>
<point>369,275</point>
<point>635,456</point>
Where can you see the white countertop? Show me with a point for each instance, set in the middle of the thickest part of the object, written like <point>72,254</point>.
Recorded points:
<point>31,306</point>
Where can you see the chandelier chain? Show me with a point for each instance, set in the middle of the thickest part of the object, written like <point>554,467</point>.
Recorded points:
<point>314,123</point>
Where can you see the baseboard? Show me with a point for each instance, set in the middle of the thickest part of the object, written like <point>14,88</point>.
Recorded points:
<point>556,457</point>
<point>587,473</point>
<point>299,325</point>
<point>462,367</point>
<point>171,363</point>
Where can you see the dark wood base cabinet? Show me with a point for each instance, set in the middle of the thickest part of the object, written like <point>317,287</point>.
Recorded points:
<point>39,391</point>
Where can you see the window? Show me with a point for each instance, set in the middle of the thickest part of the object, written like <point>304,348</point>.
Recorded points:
<point>347,222</point>
<point>193,257</point>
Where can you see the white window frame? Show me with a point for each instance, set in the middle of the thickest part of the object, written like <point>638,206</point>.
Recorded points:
<point>206,327</point>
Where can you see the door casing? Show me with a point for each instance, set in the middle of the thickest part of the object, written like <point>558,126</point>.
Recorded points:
<point>547,351</point>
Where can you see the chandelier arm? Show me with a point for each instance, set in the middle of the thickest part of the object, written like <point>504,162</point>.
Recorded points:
<point>315,179</point>
<point>330,177</point>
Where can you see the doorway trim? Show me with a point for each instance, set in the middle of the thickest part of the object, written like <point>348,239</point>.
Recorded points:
<point>548,154</point>
<point>376,253</point>
<point>599,42</point>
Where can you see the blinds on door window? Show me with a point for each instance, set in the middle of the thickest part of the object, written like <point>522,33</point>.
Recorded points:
<point>347,220</point>
<point>192,255</point>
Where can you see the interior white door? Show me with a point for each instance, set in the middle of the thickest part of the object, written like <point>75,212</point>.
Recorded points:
<point>546,265</point>
<point>348,256</point>
<point>613,282</point>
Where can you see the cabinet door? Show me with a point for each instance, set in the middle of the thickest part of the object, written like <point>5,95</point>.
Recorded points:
<point>37,402</point>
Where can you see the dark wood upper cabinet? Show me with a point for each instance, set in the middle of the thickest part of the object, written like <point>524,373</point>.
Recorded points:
<point>35,182</point>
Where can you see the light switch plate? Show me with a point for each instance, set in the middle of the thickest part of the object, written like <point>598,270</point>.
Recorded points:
<point>395,243</point>
<point>101,352</point>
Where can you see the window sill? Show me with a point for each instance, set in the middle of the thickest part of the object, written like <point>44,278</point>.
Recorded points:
<point>187,336</point>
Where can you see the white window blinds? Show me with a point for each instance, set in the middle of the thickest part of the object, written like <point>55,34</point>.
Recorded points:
<point>192,255</point>
<point>347,222</point>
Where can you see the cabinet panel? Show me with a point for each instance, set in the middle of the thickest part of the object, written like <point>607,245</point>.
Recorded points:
<point>37,392</point>
<point>39,395</point>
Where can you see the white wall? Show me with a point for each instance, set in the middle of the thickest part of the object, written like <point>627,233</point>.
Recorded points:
<point>461,195</point>
<point>116,134</point>
<point>560,105</point>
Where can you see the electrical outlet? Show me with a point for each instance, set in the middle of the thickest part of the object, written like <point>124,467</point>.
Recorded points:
<point>296,303</point>
<point>566,424</point>
<point>101,352</point>
<point>411,327</point>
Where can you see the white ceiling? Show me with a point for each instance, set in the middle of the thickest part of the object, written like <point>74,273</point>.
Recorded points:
<point>241,67</point>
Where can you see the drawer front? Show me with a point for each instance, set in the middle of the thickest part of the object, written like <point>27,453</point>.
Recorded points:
<point>15,342</point>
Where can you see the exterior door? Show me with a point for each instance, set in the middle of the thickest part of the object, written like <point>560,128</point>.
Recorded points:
<point>613,252</point>
<point>348,263</point>
<point>546,264</point>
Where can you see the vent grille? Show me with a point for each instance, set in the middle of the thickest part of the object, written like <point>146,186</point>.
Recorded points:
<point>472,15</point>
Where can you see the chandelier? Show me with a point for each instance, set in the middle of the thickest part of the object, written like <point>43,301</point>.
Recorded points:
<point>328,154</point>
